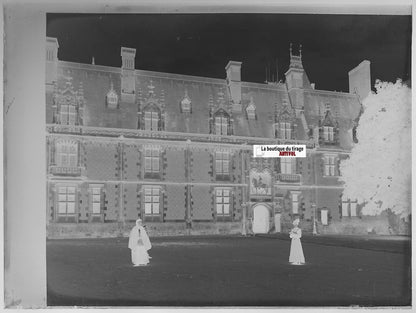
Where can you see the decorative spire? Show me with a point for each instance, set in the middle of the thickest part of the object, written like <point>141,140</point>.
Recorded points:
<point>296,60</point>
<point>162,98</point>
<point>139,94</point>
<point>151,87</point>
<point>186,103</point>
<point>211,101</point>
<point>251,101</point>
<point>81,90</point>
<point>220,96</point>
<point>68,82</point>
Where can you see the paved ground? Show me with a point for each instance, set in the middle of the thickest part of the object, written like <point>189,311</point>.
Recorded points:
<point>230,271</point>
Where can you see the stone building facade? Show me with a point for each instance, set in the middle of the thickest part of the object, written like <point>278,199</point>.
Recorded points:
<point>176,150</point>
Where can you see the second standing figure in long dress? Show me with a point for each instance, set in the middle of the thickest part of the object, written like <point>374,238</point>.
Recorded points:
<point>296,256</point>
<point>139,243</point>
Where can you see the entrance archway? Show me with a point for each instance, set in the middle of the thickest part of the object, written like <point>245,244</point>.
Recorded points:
<point>261,219</point>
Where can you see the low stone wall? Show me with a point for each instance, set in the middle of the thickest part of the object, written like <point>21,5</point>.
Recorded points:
<point>108,230</point>
<point>384,224</point>
<point>223,228</point>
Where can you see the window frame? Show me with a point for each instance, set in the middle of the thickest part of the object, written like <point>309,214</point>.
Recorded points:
<point>329,165</point>
<point>286,163</point>
<point>223,198</point>
<point>221,125</point>
<point>112,100</point>
<point>295,203</point>
<point>222,163</point>
<point>68,114</point>
<point>151,120</point>
<point>152,160</point>
<point>67,154</point>
<point>96,191</point>
<point>349,208</point>
<point>63,192</point>
<point>328,133</point>
<point>285,130</point>
<point>150,194</point>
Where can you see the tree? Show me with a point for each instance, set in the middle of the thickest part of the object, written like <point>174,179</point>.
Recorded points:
<point>378,172</point>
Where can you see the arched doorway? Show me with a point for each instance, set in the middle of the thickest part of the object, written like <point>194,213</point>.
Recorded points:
<point>261,219</point>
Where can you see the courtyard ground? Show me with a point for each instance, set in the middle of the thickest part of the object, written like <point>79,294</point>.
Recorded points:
<point>231,271</point>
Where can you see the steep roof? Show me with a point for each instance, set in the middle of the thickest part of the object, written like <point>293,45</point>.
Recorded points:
<point>96,82</point>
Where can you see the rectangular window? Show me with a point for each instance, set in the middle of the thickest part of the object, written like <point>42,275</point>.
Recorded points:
<point>151,120</point>
<point>328,133</point>
<point>72,114</point>
<point>329,165</point>
<point>49,55</point>
<point>324,217</point>
<point>66,200</point>
<point>151,160</point>
<point>349,208</point>
<point>152,200</point>
<point>64,114</point>
<point>222,163</point>
<point>285,131</point>
<point>96,200</point>
<point>295,203</point>
<point>353,207</point>
<point>286,165</point>
<point>221,125</point>
<point>222,202</point>
<point>68,114</point>
<point>67,154</point>
<point>345,208</point>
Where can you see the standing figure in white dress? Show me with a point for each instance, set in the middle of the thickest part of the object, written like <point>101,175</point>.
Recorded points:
<point>139,243</point>
<point>296,256</point>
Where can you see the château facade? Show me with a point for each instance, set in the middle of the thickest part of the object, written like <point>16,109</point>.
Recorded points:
<point>176,150</point>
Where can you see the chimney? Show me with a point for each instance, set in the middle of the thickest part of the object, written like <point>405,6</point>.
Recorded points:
<point>128,78</point>
<point>51,61</point>
<point>360,79</point>
<point>127,58</point>
<point>233,70</point>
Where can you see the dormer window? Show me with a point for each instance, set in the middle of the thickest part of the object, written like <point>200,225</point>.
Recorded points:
<point>68,105</point>
<point>251,110</point>
<point>112,98</point>
<point>221,123</point>
<point>285,130</point>
<point>328,133</point>
<point>328,129</point>
<point>151,118</point>
<point>186,104</point>
<point>68,112</point>
<point>327,107</point>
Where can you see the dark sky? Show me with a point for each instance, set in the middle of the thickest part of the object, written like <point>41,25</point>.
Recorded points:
<point>202,44</point>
